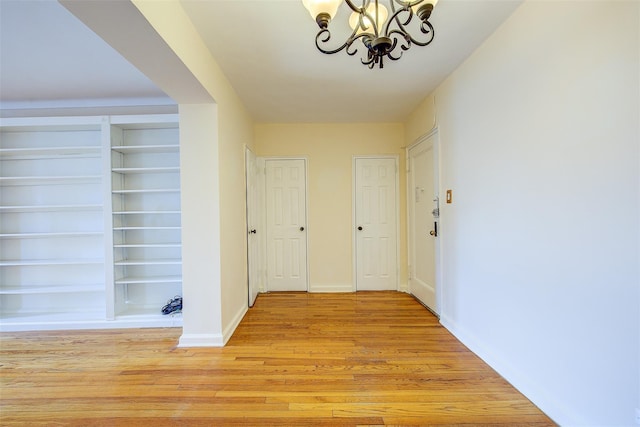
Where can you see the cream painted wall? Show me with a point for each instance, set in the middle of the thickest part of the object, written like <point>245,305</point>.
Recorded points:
<point>201,241</point>
<point>421,121</point>
<point>329,149</point>
<point>234,130</point>
<point>540,132</point>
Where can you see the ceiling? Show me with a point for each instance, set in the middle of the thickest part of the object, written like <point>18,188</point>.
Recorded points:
<point>265,47</point>
<point>49,58</point>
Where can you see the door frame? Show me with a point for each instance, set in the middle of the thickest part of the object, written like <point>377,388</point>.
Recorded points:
<point>306,214</point>
<point>438,241</point>
<point>396,158</point>
<point>259,223</point>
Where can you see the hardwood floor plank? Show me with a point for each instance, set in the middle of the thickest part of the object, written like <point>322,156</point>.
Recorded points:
<point>373,358</point>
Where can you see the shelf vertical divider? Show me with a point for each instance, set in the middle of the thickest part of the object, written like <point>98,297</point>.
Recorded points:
<point>109,273</point>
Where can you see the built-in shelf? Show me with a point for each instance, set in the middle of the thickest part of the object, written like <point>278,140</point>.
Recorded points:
<point>147,170</point>
<point>49,261</point>
<point>148,245</point>
<point>149,212</point>
<point>137,149</point>
<point>146,261</point>
<point>147,190</point>
<point>51,208</point>
<point>149,279</point>
<point>90,221</point>
<point>47,152</point>
<point>145,166</point>
<point>148,228</point>
<point>48,180</point>
<point>54,289</point>
<point>50,234</point>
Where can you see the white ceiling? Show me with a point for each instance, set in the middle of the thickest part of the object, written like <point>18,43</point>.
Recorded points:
<point>49,58</point>
<point>265,47</point>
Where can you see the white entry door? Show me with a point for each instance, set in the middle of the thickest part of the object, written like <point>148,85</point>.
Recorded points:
<point>286,225</point>
<point>376,224</point>
<point>423,221</point>
<point>253,225</point>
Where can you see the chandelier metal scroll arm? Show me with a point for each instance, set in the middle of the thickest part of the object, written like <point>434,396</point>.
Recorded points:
<point>372,21</point>
<point>355,8</point>
<point>394,18</point>
<point>406,7</point>
<point>425,25</point>
<point>424,30</point>
<point>405,37</point>
<point>327,35</point>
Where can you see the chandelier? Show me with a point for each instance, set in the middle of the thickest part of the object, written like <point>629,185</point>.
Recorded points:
<point>383,34</point>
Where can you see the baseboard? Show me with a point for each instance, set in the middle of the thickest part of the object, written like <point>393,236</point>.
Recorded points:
<point>231,327</point>
<point>514,376</point>
<point>201,340</point>
<point>348,287</point>
<point>122,322</point>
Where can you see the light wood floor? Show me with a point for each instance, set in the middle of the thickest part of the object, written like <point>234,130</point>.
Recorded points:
<point>296,359</point>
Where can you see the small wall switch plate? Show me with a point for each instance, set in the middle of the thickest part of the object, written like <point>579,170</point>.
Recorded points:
<point>449,196</point>
<point>638,416</point>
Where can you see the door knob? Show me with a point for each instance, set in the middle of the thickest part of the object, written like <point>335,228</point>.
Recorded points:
<point>253,231</point>
<point>359,228</point>
<point>301,228</point>
<point>432,232</point>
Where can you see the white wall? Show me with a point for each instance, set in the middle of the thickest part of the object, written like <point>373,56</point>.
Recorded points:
<point>540,131</point>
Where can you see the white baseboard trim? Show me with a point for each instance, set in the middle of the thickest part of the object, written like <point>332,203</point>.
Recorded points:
<point>231,327</point>
<point>201,340</point>
<point>515,377</point>
<point>348,287</point>
<point>125,322</point>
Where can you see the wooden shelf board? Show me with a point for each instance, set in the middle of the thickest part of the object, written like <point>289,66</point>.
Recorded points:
<point>149,262</point>
<point>148,312</point>
<point>167,169</point>
<point>52,208</point>
<point>146,212</point>
<point>49,152</point>
<point>53,289</point>
<point>153,279</point>
<point>49,180</point>
<point>136,149</point>
<point>147,190</point>
<point>35,235</point>
<point>42,319</point>
<point>147,228</point>
<point>34,262</point>
<point>40,124</point>
<point>148,245</point>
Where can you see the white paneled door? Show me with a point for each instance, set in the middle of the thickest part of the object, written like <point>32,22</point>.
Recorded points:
<point>253,225</point>
<point>286,225</point>
<point>423,221</point>
<point>376,224</point>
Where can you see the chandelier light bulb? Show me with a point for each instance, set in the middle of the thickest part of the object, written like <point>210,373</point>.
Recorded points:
<point>380,18</point>
<point>322,11</point>
<point>423,10</point>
